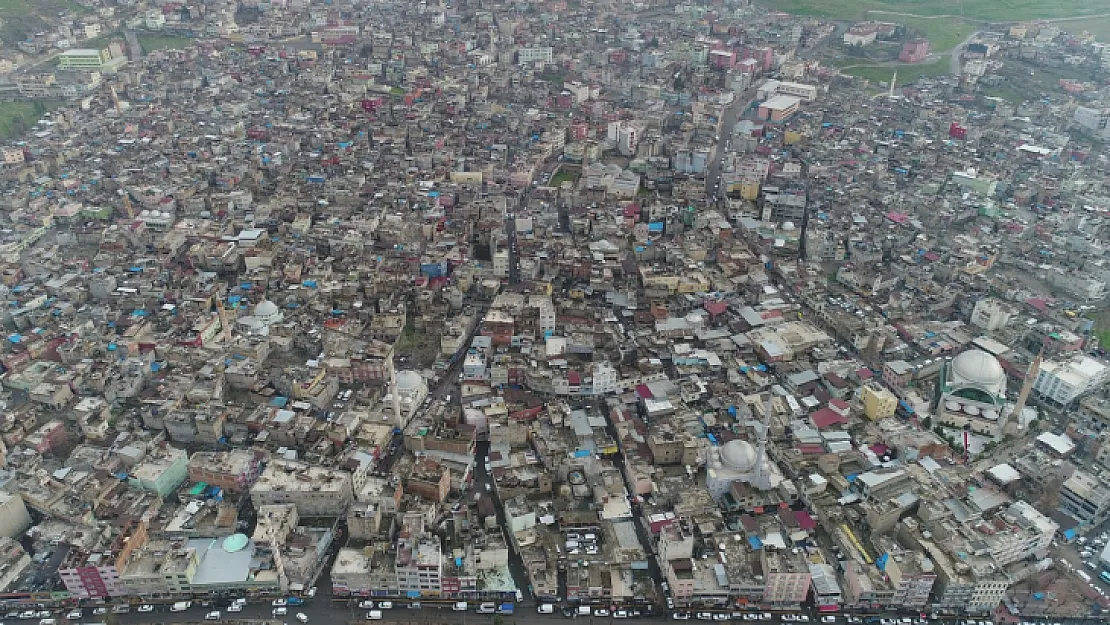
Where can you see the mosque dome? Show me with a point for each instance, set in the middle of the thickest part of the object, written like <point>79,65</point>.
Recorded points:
<point>738,455</point>
<point>408,380</point>
<point>265,308</point>
<point>978,369</point>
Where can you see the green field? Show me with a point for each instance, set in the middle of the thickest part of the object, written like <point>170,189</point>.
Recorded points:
<point>906,73</point>
<point>986,10</point>
<point>150,43</point>
<point>17,117</point>
<point>20,19</point>
<point>943,33</point>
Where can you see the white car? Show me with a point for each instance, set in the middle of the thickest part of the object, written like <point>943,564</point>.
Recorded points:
<point>235,607</point>
<point>146,608</point>
<point>385,605</point>
<point>212,616</point>
<point>681,616</point>
<point>374,615</point>
<point>29,614</point>
<point>75,615</point>
<point>828,619</point>
<point>98,611</point>
<point>302,617</point>
<point>601,612</point>
<point>366,605</point>
<point>277,602</point>
<point>620,614</point>
<point>280,611</point>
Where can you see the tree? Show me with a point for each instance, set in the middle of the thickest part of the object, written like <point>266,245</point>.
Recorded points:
<point>927,423</point>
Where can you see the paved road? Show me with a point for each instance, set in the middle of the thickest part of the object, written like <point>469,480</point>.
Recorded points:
<point>729,118</point>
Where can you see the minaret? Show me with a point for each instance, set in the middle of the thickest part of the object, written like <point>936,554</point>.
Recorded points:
<point>893,81</point>
<point>1023,396</point>
<point>762,480</point>
<point>397,420</point>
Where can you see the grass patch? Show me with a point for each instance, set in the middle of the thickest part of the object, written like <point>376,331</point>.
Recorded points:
<point>986,10</point>
<point>906,73</point>
<point>561,177</point>
<point>150,43</point>
<point>943,34</point>
<point>17,117</point>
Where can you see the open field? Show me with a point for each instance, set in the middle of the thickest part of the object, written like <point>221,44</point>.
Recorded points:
<point>986,10</point>
<point>29,112</point>
<point>150,43</point>
<point>943,33</point>
<point>20,19</point>
<point>906,73</point>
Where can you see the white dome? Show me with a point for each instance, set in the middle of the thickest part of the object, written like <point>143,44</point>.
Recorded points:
<point>738,455</point>
<point>408,380</point>
<point>265,308</point>
<point>979,369</point>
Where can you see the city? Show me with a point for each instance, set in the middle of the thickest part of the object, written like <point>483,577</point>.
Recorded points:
<point>476,311</point>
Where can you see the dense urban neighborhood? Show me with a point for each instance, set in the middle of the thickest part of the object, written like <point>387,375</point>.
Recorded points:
<point>487,311</point>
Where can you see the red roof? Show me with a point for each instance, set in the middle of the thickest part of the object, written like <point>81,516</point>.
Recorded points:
<point>574,378</point>
<point>715,308</point>
<point>864,373</point>
<point>826,417</point>
<point>644,392</point>
<point>805,521</point>
<point>836,402</point>
<point>811,449</point>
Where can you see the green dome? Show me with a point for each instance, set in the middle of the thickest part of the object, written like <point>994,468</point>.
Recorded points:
<point>235,542</point>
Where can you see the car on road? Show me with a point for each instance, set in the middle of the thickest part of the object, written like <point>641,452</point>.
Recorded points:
<point>43,614</point>
<point>620,614</point>
<point>75,615</point>
<point>545,608</point>
<point>459,606</point>
<point>720,616</point>
<point>280,611</point>
<point>212,616</point>
<point>704,616</point>
<point>374,615</point>
<point>366,605</point>
<point>29,614</point>
<point>681,616</point>
<point>302,617</point>
<point>100,610</point>
<point>385,605</point>
<point>828,619</point>
<point>601,612</point>
<point>145,608</point>
<point>277,602</point>
<point>121,609</point>
<point>235,607</point>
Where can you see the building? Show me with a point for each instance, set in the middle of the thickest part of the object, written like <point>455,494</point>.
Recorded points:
<point>419,565</point>
<point>87,59</point>
<point>316,491</point>
<point>779,108</point>
<point>161,472</point>
<point>233,471</point>
<point>914,51</point>
<point>1059,384</point>
<point>536,54</point>
<point>991,314</point>
<point>1094,120</point>
<point>787,577</point>
<point>1085,498</point>
<point>14,518</point>
<point>878,402</point>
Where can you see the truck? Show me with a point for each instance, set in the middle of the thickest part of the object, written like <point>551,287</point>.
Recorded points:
<point>294,601</point>
<point>506,608</point>
<point>181,606</point>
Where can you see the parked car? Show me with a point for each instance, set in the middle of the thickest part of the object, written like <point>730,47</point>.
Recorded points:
<point>235,607</point>
<point>601,612</point>
<point>146,607</point>
<point>385,605</point>
<point>681,616</point>
<point>280,611</point>
<point>366,605</point>
<point>374,615</point>
<point>212,616</point>
<point>278,602</point>
<point>75,615</point>
<point>302,617</point>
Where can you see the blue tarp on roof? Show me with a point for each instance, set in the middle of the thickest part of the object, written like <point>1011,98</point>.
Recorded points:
<point>755,542</point>
<point>581,453</point>
<point>279,402</point>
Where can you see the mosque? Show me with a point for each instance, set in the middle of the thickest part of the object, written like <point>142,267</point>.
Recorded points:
<point>972,392</point>
<point>265,314</point>
<point>739,461</point>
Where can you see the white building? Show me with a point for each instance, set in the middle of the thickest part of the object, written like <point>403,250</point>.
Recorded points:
<point>14,518</point>
<point>542,54</point>
<point>991,314</point>
<point>1061,383</point>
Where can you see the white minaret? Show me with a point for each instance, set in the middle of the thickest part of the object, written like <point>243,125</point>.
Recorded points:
<point>893,81</point>
<point>762,480</point>
<point>398,421</point>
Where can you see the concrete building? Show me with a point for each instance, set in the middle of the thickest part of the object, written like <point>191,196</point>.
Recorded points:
<point>1085,498</point>
<point>878,402</point>
<point>14,518</point>
<point>1059,384</point>
<point>316,491</point>
<point>233,471</point>
<point>161,472</point>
